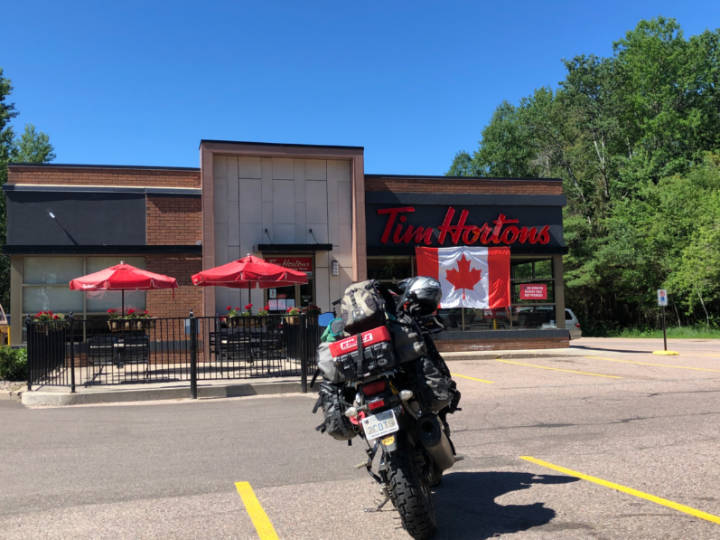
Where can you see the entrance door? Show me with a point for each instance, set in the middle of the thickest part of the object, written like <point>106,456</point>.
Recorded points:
<point>282,298</point>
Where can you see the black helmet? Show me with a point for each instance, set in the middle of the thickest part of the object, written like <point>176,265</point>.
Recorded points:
<point>420,294</point>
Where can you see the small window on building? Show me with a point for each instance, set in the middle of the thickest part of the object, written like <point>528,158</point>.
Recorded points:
<point>389,269</point>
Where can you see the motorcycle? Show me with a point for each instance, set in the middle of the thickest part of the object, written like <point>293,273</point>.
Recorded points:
<point>395,394</point>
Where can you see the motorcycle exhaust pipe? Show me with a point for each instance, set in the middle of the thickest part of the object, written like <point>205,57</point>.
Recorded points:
<point>435,441</point>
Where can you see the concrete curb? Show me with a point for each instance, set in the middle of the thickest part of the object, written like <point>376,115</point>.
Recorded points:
<point>13,393</point>
<point>519,353</point>
<point>63,398</point>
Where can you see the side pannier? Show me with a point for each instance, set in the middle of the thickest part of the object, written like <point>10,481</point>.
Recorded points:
<point>334,404</point>
<point>362,307</point>
<point>327,364</point>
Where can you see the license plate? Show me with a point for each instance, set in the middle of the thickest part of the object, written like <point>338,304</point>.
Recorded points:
<point>379,424</point>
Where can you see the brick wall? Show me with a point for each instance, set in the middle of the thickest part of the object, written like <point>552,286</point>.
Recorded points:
<point>103,176</point>
<point>477,186</point>
<point>173,220</point>
<point>162,302</point>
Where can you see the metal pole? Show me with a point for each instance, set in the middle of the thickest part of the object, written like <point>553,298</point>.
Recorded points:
<point>30,350</point>
<point>664,332</point>
<point>304,353</point>
<point>72,356</point>
<point>193,356</point>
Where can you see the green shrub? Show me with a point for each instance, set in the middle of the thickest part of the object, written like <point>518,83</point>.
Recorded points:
<point>13,364</point>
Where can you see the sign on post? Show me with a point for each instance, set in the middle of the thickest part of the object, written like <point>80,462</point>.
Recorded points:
<point>662,297</point>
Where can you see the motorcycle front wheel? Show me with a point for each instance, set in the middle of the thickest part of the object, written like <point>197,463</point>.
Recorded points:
<point>410,493</point>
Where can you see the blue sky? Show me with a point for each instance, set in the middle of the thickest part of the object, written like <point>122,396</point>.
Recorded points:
<point>140,83</point>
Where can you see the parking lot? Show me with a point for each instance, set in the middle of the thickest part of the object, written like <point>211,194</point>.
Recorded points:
<point>610,441</point>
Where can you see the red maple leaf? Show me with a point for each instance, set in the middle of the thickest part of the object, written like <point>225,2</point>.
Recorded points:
<point>463,277</point>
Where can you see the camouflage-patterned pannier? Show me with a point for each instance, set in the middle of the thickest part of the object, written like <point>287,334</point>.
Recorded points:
<point>362,307</point>
<point>333,404</point>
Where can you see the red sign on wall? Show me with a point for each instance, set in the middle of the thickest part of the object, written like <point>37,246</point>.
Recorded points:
<point>303,264</point>
<point>501,230</point>
<point>533,291</point>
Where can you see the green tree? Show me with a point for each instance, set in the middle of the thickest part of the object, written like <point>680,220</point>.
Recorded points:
<point>7,113</point>
<point>462,165</point>
<point>31,147</point>
<point>629,135</point>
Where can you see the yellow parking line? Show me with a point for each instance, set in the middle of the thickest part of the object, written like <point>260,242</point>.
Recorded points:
<point>472,378</point>
<point>262,523</point>
<point>612,485</point>
<point>651,364</point>
<point>557,369</point>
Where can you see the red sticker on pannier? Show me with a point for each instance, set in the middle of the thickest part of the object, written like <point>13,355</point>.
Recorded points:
<point>348,345</point>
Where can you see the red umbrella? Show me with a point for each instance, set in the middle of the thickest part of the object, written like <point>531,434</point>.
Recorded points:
<point>122,277</point>
<point>251,272</point>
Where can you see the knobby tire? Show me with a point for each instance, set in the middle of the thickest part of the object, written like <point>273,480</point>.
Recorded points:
<point>411,496</point>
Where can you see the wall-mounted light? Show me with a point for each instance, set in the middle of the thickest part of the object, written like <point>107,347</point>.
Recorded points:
<point>335,268</point>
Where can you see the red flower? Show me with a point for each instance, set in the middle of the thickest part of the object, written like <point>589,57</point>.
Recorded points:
<point>55,316</point>
<point>267,307</point>
<point>229,308</point>
<point>248,307</point>
<point>130,311</point>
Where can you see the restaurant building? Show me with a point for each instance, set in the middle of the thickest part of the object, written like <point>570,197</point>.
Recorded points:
<point>309,207</point>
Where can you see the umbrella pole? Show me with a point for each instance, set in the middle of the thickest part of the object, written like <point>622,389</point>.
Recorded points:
<point>122,305</point>
<point>249,293</point>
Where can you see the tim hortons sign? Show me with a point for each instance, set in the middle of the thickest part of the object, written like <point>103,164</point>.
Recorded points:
<point>455,229</point>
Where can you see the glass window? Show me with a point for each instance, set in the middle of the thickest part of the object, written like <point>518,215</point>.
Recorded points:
<point>535,310</point>
<point>532,293</point>
<point>46,285</point>
<point>101,301</point>
<point>55,270</point>
<point>391,269</point>
<point>55,298</point>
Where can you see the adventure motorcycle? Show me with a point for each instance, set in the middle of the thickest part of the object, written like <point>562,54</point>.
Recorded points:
<point>390,386</point>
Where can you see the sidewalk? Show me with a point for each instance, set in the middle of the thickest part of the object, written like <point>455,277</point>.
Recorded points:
<point>122,393</point>
<point>57,396</point>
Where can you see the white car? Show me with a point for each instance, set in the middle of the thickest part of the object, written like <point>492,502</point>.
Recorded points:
<point>571,324</point>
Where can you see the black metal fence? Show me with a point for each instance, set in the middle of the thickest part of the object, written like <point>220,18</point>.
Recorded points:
<point>79,352</point>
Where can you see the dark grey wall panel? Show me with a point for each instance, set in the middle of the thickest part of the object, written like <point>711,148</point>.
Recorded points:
<point>102,219</point>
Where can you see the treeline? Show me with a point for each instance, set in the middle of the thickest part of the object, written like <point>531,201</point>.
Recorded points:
<point>636,139</point>
<point>31,147</point>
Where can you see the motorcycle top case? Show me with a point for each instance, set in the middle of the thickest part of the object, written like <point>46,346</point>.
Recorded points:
<point>377,354</point>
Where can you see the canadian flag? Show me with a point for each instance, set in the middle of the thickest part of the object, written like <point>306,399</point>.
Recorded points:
<point>473,277</point>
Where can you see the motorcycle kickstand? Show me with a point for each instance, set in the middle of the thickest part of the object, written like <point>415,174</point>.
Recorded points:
<point>382,503</point>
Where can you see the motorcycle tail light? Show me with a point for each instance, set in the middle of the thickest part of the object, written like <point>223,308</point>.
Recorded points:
<point>373,388</point>
<point>376,404</point>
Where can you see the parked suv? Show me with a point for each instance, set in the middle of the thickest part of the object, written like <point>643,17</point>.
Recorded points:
<point>571,323</point>
<point>544,317</point>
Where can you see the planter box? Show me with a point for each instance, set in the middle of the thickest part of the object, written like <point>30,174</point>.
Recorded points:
<point>125,325</point>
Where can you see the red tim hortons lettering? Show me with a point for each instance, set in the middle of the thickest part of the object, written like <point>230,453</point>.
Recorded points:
<point>503,230</point>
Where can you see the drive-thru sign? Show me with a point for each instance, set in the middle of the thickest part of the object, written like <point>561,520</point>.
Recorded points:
<point>662,297</point>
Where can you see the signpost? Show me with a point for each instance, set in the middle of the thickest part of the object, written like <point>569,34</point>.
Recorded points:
<point>662,302</point>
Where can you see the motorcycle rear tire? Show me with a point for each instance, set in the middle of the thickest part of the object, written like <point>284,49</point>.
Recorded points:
<point>410,493</point>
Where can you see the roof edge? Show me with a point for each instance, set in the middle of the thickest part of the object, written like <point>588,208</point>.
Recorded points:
<point>97,166</point>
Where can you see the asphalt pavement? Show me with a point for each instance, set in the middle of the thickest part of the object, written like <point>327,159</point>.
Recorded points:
<point>606,441</point>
